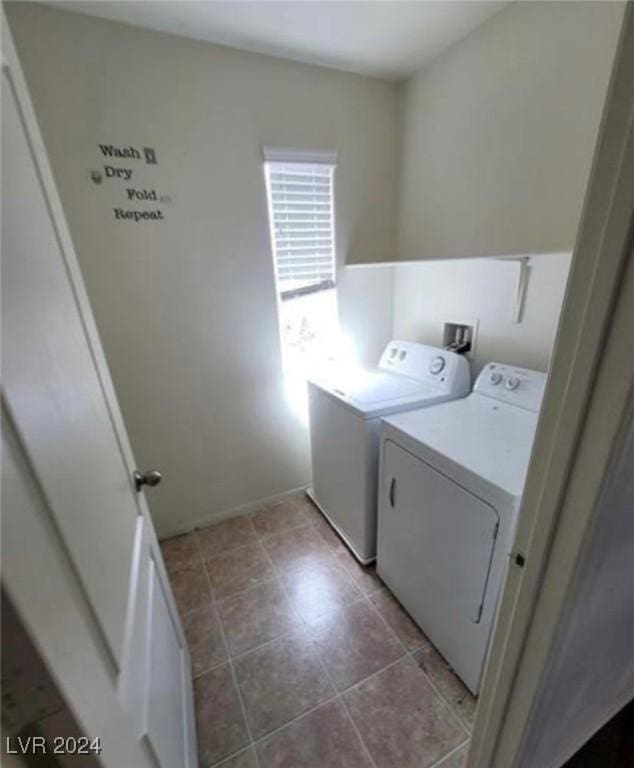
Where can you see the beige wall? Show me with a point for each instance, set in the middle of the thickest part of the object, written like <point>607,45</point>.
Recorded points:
<point>498,133</point>
<point>427,295</point>
<point>490,163</point>
<point>186,307</point>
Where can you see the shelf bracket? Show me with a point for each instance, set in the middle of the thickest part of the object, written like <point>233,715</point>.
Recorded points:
<point>522,285</point>
<point>523,271</point>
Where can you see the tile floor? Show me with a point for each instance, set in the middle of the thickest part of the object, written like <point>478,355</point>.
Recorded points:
<point>302,658</point>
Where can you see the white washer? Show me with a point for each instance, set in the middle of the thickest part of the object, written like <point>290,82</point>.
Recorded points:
<point>345,413</point>
<point>451,482</point>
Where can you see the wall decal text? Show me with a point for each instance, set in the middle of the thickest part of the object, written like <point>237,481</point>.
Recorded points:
<point>138,161</point>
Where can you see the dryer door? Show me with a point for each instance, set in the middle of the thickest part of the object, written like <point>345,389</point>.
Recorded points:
<point>435,547</point>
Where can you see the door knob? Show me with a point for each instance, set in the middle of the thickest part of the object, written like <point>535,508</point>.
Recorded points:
<point>152,477</point>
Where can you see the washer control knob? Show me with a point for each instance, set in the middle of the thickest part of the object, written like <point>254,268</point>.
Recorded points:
<point>437,364</point>
<point>512,382</point>
<point>495,378</point>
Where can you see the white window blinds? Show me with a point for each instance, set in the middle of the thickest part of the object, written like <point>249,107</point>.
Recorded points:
<point>301,211</point>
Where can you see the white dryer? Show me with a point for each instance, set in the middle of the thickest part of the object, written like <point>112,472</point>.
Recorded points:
<point>345,412</point>
<point>451,482</point>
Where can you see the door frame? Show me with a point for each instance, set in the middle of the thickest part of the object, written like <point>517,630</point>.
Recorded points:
<point>90,705</point>
<point>586,404</point>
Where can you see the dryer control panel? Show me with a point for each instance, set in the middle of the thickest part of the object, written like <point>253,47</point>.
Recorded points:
<point>517,386</point>
<point>432,365</point>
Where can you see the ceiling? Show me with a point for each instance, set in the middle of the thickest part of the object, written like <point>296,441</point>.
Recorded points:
<point>389,39</point>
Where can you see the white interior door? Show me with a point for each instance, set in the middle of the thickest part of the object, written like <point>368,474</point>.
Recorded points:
<point>72,485</point>
<point>54,394</point>
<point>165,690</point>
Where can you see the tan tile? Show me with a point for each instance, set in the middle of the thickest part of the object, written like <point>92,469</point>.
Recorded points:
<point>320,522</point>
<point>220,724</point>
<point>28,691</point>
<point>256,616</point>
<point>364,576</point>
<point>244,759</point>
<point>204,638</point>
<point>279,517</point>
<point>353,643</point>
<point>190,586</point>
<point>324,738</point>
<point>308,507</point>
<point>402,720</point>
<point>238,570</point>
<point>317,587</point>
<point>404,627</point>
<point>280,681</point>
<point>451,687</point>
<point>180,552</point>
<point>229,534</point>
<point>61,725</point>
<point>299,545</point>
<point>456,759</point>
<point>330,536</point>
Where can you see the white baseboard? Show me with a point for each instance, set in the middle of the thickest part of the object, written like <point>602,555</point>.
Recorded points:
<point>225,514</point>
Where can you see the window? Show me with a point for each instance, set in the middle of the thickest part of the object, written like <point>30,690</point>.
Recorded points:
<point>301,216</point>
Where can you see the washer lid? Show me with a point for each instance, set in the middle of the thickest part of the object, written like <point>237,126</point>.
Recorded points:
<point>368,387</point>
<point>475,439</point>
<point>372,392</point>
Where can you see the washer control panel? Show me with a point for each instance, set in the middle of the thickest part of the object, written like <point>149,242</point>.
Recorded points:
<point>433,365</point>
<point>519,386</point>
<point>437,364</point>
